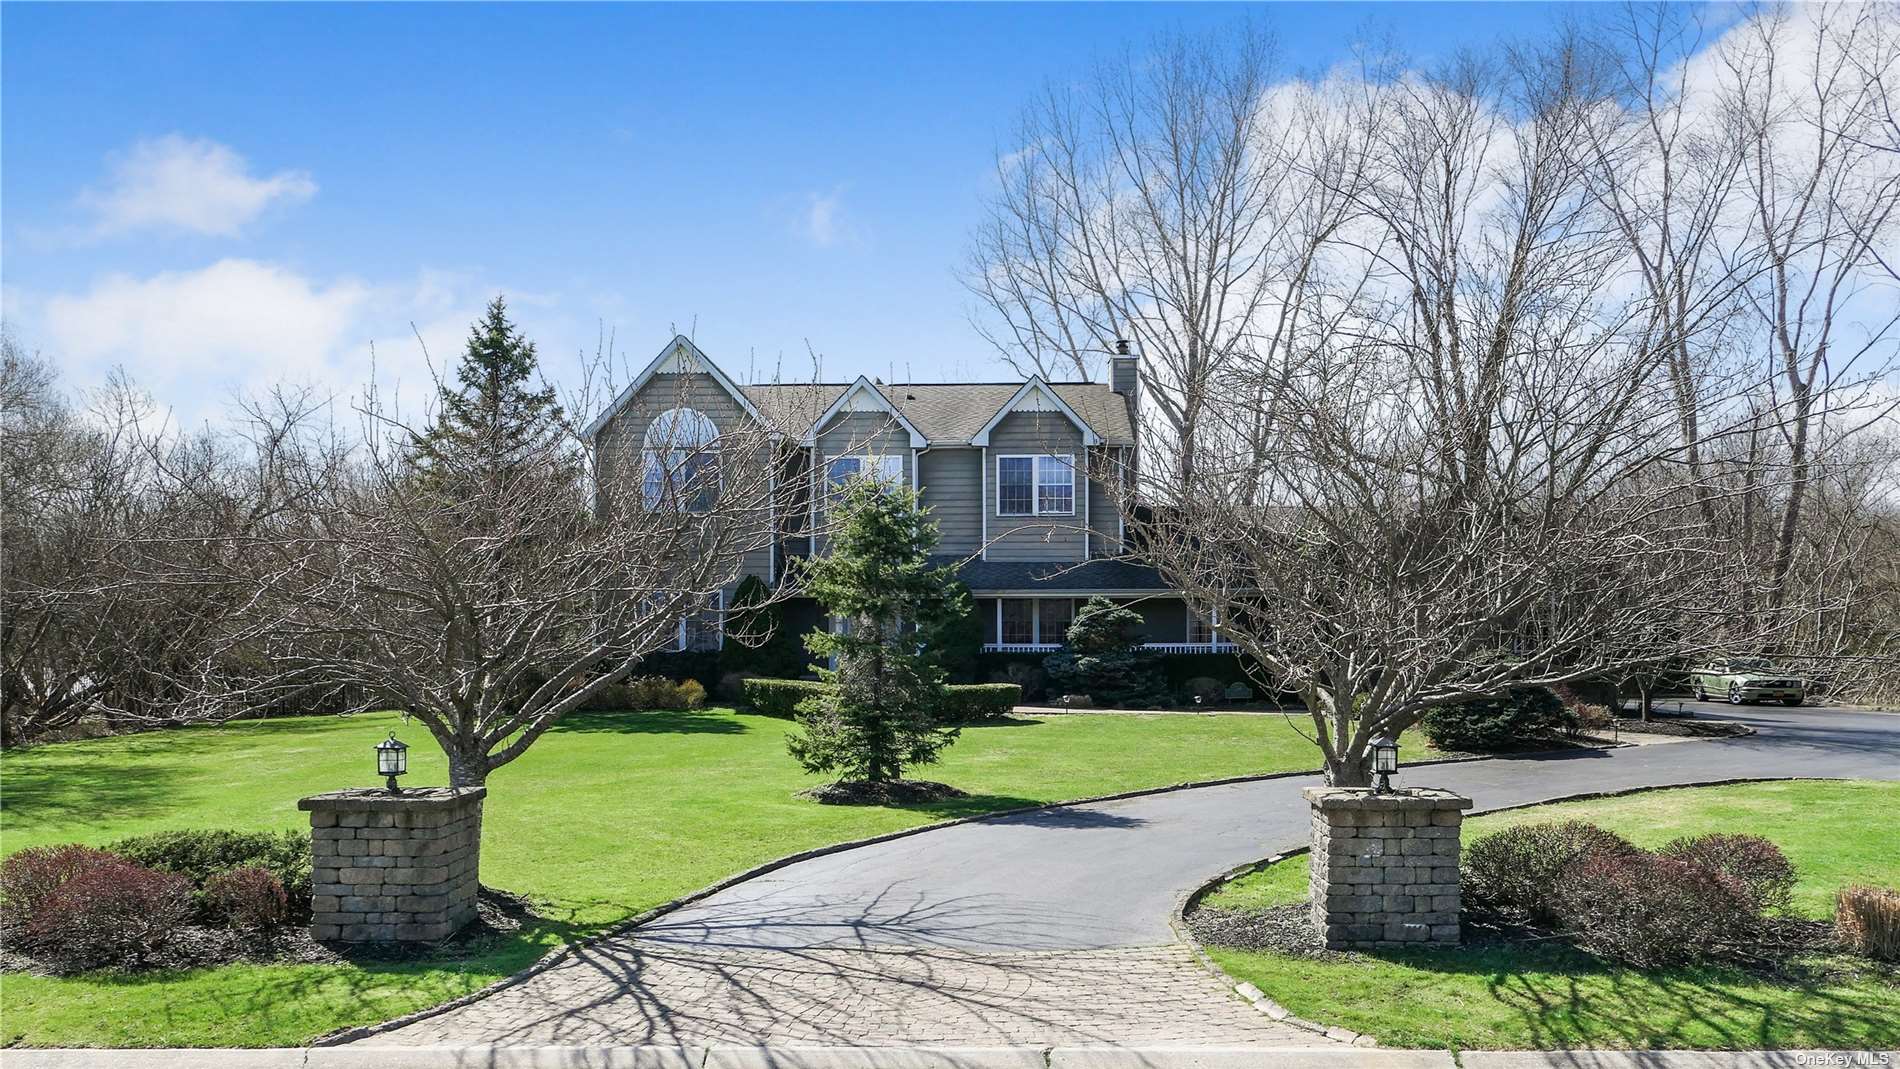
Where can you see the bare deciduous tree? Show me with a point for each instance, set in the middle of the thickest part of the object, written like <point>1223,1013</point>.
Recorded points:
<point>1178,203</point>
<point>1474,478</point>
<point>487,592</point>
<point>84,634</point>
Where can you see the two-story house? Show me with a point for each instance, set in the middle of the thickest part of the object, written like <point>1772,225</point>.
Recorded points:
<point>1012,472</point>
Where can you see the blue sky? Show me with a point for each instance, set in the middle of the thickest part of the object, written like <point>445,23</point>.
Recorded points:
<point>216,196</point>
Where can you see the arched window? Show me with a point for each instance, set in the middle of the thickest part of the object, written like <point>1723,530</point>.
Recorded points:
<point>681,468</point>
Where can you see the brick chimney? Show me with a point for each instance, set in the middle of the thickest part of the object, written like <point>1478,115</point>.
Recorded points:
<point>1122,377</point>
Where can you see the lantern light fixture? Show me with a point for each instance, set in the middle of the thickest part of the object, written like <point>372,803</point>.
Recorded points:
<point>392,760</point>
<point>1385,761</point>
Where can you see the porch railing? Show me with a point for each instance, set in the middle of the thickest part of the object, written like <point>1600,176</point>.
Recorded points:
<point>1162,647</point>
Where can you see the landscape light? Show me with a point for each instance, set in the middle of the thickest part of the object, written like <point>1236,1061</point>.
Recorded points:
<point>1385,761</point>
<point>392,760</point>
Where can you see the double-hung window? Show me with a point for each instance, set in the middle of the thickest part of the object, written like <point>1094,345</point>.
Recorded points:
<point>1016,621</point>
<point>1039,485</point>
<point>1053,617</point>
<point>887,469</point>
<point>1202,630</point>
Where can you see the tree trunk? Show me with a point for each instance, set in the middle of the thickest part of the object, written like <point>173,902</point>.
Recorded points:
<point>467,769</point>
<point>1349,770</point>
<point>1645,691</point>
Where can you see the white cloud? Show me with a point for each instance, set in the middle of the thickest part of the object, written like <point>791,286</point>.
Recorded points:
<point>822,220</point>
<point>196,338</point>
<point>238,323</point>
<point>193,185</point>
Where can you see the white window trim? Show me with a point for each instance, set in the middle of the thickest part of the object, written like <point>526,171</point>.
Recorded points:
<point>1035,620</point>
<point>1213,627</point>
<point>671,456</point>
<point>719,621</point>
<point>1035,484</point>
<point>869,461</point>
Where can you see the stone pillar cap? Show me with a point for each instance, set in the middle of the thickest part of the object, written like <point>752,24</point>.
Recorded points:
<point>1366,798</point>
<point>379,800</point>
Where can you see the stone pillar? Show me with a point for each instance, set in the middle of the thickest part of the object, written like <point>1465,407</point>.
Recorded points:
<point>393,867</point>
<point>1384,867</point>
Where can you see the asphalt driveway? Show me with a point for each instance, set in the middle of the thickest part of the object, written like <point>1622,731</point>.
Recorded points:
<point>1108,875</point>
<point>1047,928</point>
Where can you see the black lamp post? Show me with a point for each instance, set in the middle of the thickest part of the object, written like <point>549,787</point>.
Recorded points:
<point>392,760</point>
<point>1385,761</point>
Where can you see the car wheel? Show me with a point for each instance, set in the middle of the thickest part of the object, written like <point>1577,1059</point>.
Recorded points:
<point>1701,694</point>
<point>1734,694</point>
<point>1792,701</point>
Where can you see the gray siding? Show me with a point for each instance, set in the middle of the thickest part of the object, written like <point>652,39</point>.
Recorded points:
<point>953,491</point>
<point>620,442</point>
<point>859,434</point>
<point>1105,468</point>
<point>1034,538</point>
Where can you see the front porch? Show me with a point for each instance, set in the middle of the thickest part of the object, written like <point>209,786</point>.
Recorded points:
<point>1037,624</point>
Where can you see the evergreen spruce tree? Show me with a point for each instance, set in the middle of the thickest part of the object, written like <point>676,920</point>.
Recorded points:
<point>492,422</point>
<point>1104,658</point>
<point>882,716</point>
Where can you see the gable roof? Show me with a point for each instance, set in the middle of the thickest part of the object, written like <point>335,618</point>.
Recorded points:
<point>947,413</point>
<point>940,413</point>
<point>1033,388</point>
<point>679,357</point>
<point>864,387</point>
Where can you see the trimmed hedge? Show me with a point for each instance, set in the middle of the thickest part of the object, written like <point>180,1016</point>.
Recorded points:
<point>780,697</point>
<point>979,701</point>
<point>975,701</point>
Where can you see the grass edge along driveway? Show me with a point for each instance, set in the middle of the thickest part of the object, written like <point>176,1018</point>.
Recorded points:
<point>1551,997</point>
<point>607,816</point>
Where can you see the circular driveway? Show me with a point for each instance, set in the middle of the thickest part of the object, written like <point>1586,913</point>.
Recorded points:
<point>1108,875</point>
<point>1049,926</point>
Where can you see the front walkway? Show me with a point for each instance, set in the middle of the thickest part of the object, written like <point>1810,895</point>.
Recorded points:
<point>634,991</point>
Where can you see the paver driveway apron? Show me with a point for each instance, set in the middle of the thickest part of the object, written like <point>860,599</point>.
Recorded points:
<point>1047,927</point>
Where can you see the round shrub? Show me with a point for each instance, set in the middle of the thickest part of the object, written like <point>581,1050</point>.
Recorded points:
<point>1757,864</point>
<point>107,912</point>
<point>249,899</point>
<point>1515,872</point>
<point>1519,719</point>
<point>31,877</point>
<point>1647,910</point>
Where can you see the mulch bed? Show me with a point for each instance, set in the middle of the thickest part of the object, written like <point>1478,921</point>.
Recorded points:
<point>497,914</point>
<point>1788,949</point>
<point>895,792</point>
<point>1700,729</point>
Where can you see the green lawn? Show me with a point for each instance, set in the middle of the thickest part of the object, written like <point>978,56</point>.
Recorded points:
<point>606,816</point>
<point>1552,997</point>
